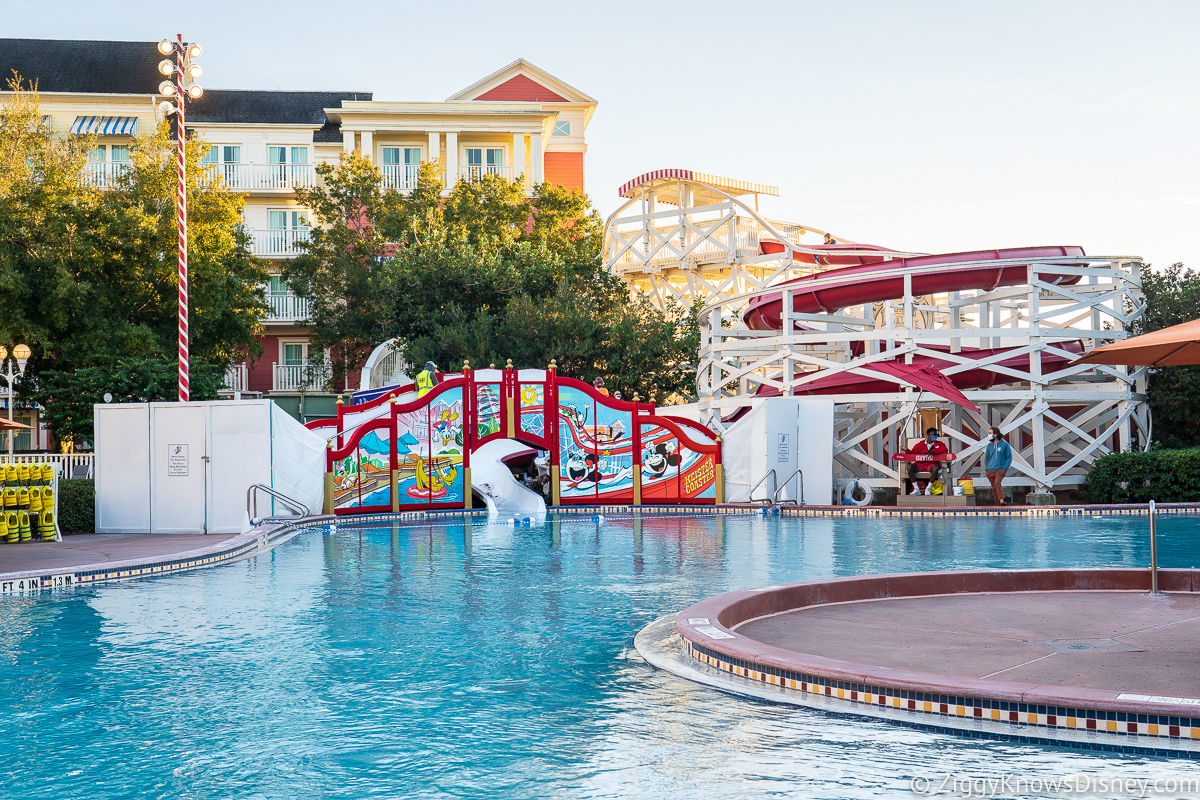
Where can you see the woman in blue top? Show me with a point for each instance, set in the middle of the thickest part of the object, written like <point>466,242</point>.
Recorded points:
<point>997,458</point>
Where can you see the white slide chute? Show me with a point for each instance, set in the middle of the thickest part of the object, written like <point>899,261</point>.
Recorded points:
<point>492,478</point>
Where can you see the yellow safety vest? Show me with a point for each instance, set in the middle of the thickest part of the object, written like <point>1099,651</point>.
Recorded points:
<point>424,382</point>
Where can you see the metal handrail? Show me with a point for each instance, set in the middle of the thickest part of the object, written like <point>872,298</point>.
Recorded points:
<point>296,505</point>
<point>800,472</point>
<point>774,487</point>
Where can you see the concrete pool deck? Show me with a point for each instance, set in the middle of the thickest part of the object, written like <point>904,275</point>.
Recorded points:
<point>1095,640</point>
<point>1083,657</point>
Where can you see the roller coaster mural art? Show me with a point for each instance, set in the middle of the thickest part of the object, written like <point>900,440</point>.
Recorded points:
<point>396,452</point>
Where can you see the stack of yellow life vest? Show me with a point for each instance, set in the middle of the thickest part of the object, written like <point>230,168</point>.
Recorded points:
<point>26,502</point>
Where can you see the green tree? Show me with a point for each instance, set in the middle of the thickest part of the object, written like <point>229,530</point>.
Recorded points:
<point>88,276</point>
<point>1172,298</point>
<point>483,273</point>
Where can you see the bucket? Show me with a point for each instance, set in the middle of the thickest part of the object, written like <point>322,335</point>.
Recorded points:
<point>968,486</point>
<point>958,490</point>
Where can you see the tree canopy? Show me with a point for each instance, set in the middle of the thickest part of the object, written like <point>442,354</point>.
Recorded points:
<point>483,273</point>
<point>88,275</point>
<point>1172,298</point>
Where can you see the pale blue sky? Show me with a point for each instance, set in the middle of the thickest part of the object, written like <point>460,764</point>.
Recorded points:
<point>923,126</point>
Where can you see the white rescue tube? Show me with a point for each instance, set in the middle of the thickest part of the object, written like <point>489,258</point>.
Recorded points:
<point>868,492</point>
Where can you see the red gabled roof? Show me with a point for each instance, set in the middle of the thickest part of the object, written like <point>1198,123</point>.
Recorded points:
<point>522,88</point>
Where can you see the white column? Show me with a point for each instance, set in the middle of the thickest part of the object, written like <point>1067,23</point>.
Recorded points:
<point>348,141</point>
<point>435,147</point>
<point>519,156</point>
<point>535,144</point>
<point>451,159</point>
<point>368,145</point>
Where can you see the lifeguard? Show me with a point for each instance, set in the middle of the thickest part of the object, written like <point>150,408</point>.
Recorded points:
<point>929,446</point>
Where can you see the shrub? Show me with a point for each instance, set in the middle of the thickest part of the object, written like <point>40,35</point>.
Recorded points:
<point>77,506</point>
<point>1165,476</point>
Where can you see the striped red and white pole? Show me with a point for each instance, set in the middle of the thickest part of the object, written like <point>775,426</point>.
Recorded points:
<point>181,216</point>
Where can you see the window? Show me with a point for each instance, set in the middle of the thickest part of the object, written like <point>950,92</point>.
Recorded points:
<point>287,228</point>
<point>484,161</point>
<point>285,220</point>
<point>295,354</point>
<point>562,129</point>
<point>278,285</point>
<point>400,166</point>
<point>105,162</point>
<point>227,160</point>
<point>119,153</point>
<point>98,155</point>
<point>287,166</point>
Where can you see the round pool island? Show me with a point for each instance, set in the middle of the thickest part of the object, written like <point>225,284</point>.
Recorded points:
<point>1085,658</point>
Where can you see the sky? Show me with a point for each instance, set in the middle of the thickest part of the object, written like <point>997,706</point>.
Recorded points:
<point>924,126</point>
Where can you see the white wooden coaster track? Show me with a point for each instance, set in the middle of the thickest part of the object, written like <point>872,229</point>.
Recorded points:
<point>685,237</point>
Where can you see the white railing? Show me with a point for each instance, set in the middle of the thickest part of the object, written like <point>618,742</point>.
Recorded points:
<point>401,177</point>
<point>65,461</point>
<point>295,377</point>
<point>236,378</point>
<point>477,172</point>
<point>287,307</point>
<point>249,177</point>
<point>280,242</point>
<point>103,174</point>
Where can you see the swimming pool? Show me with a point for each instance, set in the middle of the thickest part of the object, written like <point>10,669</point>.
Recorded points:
<point>458,659</point>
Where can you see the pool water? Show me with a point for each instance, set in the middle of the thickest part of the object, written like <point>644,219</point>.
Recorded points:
<point>460,659</point>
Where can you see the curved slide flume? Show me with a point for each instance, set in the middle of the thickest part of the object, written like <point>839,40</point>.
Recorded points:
<point>868,278</point>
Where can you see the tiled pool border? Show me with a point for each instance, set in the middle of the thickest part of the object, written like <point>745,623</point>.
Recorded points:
<point>266,536</point>
<point>708,634</point>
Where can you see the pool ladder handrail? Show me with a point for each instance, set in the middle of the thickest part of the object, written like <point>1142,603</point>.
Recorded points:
<point>775,497</point>
<point>251,496</point>
<point>774,488</point>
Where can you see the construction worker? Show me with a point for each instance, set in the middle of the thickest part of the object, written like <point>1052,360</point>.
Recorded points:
<point>427,379</point>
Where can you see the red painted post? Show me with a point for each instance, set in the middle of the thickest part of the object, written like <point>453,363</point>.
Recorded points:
<point>181,216</point>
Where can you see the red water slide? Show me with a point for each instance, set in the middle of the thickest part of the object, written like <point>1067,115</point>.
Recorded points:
<point>869,278</point>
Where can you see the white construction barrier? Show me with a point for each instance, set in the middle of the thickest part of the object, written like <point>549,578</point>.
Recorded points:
<point>784,434</point>
<point>185,467</point>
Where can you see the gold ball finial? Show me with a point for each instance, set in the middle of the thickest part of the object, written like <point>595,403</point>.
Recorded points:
<point>339,400</point>
<point>491,366</point>
<point>635,397</point>
<point>466,365</point>
<point>719,439</point>
<point>509,364</point>
<point>329,443</point>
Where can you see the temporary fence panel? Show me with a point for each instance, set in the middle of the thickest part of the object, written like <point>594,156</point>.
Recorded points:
<point>178,467</point>
<point>122,467</point>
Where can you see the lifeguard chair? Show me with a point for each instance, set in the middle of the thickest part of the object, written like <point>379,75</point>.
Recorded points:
<point>927,418</point>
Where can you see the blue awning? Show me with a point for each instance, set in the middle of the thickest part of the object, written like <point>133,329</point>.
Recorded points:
<point>105,126</point>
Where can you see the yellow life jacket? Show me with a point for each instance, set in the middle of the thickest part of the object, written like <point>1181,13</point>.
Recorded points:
<point>425,382</point>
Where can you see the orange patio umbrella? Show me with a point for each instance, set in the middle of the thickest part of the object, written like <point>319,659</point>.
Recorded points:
<point>1176,346</point>
<point>5,425</point>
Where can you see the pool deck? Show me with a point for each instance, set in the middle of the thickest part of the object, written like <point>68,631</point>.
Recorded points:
<point>1084,657</point>
<point>91,550</point>
<point>1092,639</point>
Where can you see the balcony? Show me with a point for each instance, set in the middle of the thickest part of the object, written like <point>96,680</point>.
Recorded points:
<point>277,242</point>
<point>286,308</point>
<point>401,177</point>
<point>261,177</point>
<point>300,377</point>
<point>236,378</point>
<point>103,174</point>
